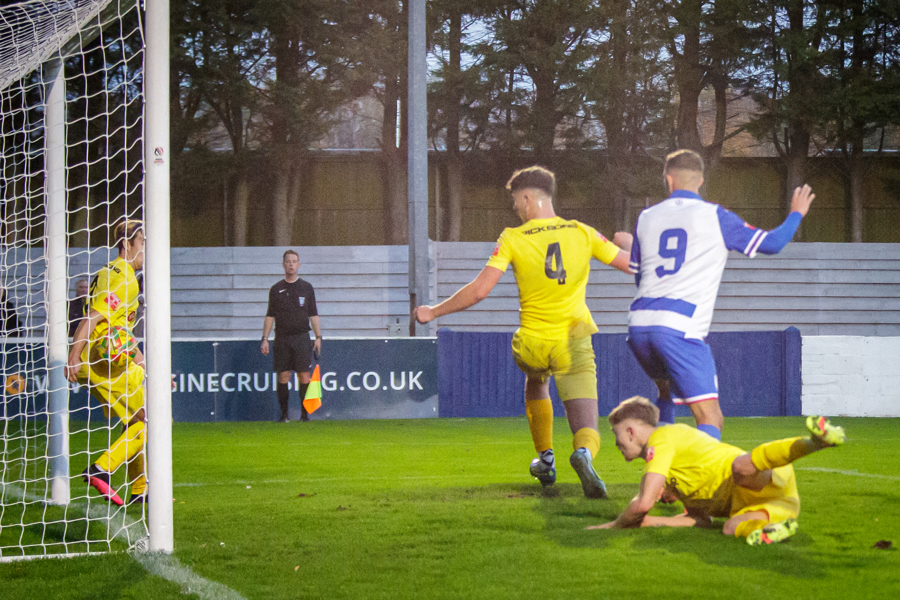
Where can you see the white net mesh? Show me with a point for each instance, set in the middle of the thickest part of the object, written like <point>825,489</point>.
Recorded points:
<point>51,431</point>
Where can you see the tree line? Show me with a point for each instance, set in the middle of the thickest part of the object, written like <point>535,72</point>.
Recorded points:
<point>267,79</point>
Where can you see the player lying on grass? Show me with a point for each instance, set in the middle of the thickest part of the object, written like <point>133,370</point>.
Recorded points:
<point>756,491</point>
<point>551,260</point>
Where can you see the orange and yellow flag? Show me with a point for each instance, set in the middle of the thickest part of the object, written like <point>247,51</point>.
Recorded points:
<point>313,399</point>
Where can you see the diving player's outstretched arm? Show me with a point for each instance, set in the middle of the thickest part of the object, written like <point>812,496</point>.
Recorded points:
<point>470,294</point>
<point>636,511</point>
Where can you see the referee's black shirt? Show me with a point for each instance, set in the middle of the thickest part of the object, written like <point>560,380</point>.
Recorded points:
<point>292,304</point>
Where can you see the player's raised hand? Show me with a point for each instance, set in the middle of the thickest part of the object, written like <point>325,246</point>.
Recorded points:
<point>803,197</point>
<point>424,314</point>
<point>623,240</point>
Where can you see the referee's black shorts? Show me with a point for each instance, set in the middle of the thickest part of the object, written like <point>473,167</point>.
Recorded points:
<point>292,353</point>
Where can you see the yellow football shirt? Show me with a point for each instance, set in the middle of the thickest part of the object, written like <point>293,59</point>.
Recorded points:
<point>551,260</point>
<point>696,466</point>
<point>114,294</point>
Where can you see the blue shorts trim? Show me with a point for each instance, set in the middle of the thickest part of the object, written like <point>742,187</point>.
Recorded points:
<point>686,364</point>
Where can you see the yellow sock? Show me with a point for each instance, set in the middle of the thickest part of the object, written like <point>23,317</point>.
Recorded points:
<point>587,438</point>
<point>123,449</point>
<point>136,476</point>
<point>781,452</point>
<point>540,421</point>
<point>745,528</point>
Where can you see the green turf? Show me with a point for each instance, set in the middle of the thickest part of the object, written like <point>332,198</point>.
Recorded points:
<point>444,508</point>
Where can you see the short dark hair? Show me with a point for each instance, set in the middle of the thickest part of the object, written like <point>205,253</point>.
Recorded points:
<point>534,177</point>
<point>286,252</point>
<point>684,160</point>
<point>636,407</point>
<point>127,230</point>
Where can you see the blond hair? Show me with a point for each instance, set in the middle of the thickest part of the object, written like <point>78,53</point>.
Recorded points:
<point>636,407</point>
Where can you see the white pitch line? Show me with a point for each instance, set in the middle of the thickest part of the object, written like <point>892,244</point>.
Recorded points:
<point>156,563</point>
<point>305,481</point>
<point>852,473</point>
<point>168,567</point>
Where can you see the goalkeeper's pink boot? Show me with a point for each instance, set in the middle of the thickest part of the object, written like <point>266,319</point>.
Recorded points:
<point>99,480</point>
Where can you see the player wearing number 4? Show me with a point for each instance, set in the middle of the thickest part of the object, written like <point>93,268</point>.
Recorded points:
<point>117,383</point>
<point>551,259</point>
<point>678,254</point>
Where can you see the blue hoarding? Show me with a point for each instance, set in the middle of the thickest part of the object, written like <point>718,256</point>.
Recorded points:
<point>363,378</point>
<point>759,374</point>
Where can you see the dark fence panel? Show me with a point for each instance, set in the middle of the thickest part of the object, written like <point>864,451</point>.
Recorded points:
<point>759,374</point>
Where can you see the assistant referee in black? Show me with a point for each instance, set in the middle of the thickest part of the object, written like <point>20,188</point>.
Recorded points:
<point>292,310</point>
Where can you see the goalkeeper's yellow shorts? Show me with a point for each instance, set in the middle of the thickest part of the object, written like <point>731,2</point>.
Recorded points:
<point>120,390</point>
<point>779,499</point>
<point>569,361</point>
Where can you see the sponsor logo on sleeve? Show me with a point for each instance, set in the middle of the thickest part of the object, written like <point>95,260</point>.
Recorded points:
<point>602,237</point>
<point>112,301</point>
<point>496,250</point>
<point>651,452</point>
<point>749,226</point>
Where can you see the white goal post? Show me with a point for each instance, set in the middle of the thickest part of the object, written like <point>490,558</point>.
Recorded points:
<point>84,145</point>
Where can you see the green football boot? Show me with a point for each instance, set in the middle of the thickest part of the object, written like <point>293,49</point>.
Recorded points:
<point>826,433</point>
<point>773,533</point>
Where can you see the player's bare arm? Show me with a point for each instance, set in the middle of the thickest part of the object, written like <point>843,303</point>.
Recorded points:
<point>317,330</point>
<point>683,520</point>
<point>469,295</point>
<point>621,262</point>
<point>640,505</point>
<point>139,358</point>
<point>691,518</point>
<point>268,323</point>
<point>85,327</point>
<point>623,240</point>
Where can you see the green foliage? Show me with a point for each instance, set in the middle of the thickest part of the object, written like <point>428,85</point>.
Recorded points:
<point>444,508</point>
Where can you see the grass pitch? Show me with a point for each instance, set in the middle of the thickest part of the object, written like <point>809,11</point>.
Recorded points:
<point>445,508</point>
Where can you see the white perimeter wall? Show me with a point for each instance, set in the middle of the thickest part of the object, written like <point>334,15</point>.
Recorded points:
<point>851,376</point>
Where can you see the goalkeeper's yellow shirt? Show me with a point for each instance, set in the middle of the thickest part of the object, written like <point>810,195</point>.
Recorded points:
<point>114,294</point>
<point>551,260</point>
<point>696,466</point>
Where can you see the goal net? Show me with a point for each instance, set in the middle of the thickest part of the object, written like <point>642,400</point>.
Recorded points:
<point>71,169</point>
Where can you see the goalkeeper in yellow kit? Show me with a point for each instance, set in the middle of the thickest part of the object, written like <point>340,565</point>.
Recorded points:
<point>551,259</point>
<point>756,491</point>
<point>117,385</point>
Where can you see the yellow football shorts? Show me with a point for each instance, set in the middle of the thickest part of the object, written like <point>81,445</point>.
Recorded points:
<point>570,362</point>
<point>779,499</point>
<point>120,390</point>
